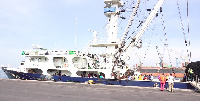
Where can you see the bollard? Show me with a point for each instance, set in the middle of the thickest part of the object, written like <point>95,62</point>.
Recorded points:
<point>90,82</point>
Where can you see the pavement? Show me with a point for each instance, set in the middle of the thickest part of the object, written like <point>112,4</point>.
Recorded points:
<point>25,90</point>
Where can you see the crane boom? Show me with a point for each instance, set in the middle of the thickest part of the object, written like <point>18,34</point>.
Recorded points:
<point>122,43</point>
<point>130,20</point>
<point>136,39</point>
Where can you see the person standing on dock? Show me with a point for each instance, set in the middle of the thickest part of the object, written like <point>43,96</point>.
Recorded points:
<point>162,82</point>
<point>190,71</point>
<point>171,82</point>
<point>140,77</point>
<point>165,86</point>
<point>151,77</point>
<point>136,77</point>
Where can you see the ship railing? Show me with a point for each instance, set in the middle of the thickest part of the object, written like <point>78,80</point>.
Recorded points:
<point>31,52</point>
<point>88,68</point>
<point>101,40</point>
<point>35,64</point>
<point>43,52</point>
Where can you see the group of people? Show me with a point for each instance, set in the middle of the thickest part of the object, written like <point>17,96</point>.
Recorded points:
<point>141,77</point>
<point>90,75</point>
<point>163,80</point>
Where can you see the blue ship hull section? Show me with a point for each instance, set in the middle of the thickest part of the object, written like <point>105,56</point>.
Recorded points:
<point>79,79</point>
<point>9,75</point>
<point>20,75</point>
<point>33,76</point>
<point>73,79</point>
<point>181,85</point>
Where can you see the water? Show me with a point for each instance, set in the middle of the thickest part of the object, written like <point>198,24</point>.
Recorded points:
<point>3,75</point>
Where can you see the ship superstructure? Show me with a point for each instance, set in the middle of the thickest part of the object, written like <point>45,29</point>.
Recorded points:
<point>53,62</point>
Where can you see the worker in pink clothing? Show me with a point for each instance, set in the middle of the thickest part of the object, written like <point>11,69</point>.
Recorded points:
<point>162,82</point>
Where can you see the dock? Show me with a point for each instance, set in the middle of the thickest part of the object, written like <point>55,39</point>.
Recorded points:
<point>23,90</point>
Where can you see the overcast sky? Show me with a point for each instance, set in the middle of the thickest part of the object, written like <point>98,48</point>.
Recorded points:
<point>52,24</point>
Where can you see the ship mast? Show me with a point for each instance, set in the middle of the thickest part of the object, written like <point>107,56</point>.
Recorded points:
<point>112,13</point>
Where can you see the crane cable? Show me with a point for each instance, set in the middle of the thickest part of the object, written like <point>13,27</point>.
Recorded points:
<point>189,35</point>
<point>186,43</point>
<point>165,34</point>
<point>153,29</point>
<point>160,55</point>
<point>140,21</point>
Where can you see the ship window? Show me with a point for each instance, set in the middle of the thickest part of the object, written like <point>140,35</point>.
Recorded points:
<point>58,66</point>
<point>56,51</point>
<point>32,59</point>
<point>39,60</point>
<point>22,63</point>
<point>116,46</point>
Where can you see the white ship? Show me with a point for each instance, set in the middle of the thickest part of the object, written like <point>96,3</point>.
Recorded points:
<point>74,65</point>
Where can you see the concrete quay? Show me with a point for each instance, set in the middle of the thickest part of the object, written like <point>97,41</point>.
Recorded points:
<point>25,90</point>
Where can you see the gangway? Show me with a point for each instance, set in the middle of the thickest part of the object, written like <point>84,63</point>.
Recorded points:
<point>195,84</point>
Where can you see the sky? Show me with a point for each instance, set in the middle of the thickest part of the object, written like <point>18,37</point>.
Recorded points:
<point>52,24</point>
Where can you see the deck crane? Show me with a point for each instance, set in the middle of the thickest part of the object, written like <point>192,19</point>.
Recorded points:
<point>136,41</point>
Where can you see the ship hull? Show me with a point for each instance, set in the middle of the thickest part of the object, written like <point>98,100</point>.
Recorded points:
<point>144,83</point>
